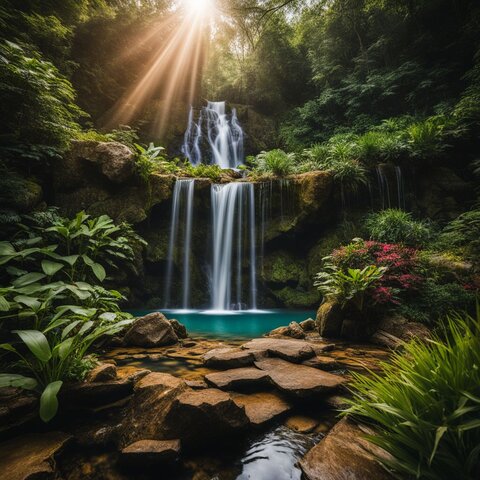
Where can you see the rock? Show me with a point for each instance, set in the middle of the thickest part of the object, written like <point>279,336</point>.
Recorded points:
<point>146,453</point>
<point>31,456</point>
<point>17,407</point>
<point>295,330</point>
<point>179,329</point>
<point>291,350</point>
<point>153,398</point>
<point>301,423</point>
<point>152,330</point>
<point>308,325</point>
<point>196,384</point>
<point>102,373</point>
<point>238,378</point>
<point>344,454</point>
<point>23,195</point>
<point>393,331</point>
<point>322,362</point>
<point>337,402</point>
<point>280,331</point>
<point>262,408</point>
<point>329,319</point>
<point>298,380</point>
<point>225,358</point>
<point>201,416</point>
<point>117,161</point>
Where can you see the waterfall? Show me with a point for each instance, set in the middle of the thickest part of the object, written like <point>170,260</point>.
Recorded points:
<point>224,136</point>
<point>390,182</point>
<point>233,214</point>
<point>181,223</point>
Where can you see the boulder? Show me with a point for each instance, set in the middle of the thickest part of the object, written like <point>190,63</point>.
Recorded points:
<point>322,362</point>
<point>344,454</point>
<point>152,330</point>
<point>301,423</point>
<point>201,416</point>
<point>238,378</point>
<point>179,329</point>
<point>102,373</point>
<point>295,330</point>
<point>117,161</point>
<point>262,407</point>
<point>147,453</point>
<point>31,456</point>
<point>308,325</point>
<point>17,407</point>
<point>225,358</point>
<point>394,330</point>
<point>280,331</point>
<point>298,380</point>
<point>330,319</point>
<point>291,350</point>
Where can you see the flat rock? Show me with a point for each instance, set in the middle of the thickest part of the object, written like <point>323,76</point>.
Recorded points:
<point>201,416</point>
<point>344,454</point>
<point>151,452</point>
<point>31,456</point>
<point>238,378</point>
<point>301,423</point>
<point>102,373</point>
<point>225,358</point>
<point>322,362</point>
<point>291,350</point>
<point>17,407</point>
<point>152,330</point>
<point>196,384</point>
<point>298,380</point>
<point>262,407</point>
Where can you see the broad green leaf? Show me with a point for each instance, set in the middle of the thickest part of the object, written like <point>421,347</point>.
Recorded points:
<point>28,279</point>
<point>19,381</point>
<point>108,316</point>
<point>6,248</point>
<point>49,401</point>
<point>69,328</point>
<point>31,302</point>
<point>4,304</point>
<point>37,343</point>
<point>99,271</point>
<point>64,348</point>
<point>51,268</point>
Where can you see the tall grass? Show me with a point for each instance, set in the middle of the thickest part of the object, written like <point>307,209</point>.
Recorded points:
<point>426,404</point>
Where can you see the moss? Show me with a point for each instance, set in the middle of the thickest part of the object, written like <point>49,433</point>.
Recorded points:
<point>297,298</point>
<point>282,268</point>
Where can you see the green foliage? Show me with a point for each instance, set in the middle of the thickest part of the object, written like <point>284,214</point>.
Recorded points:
<point>425,404</point>
<point>276,162</point>
<point>149,160</point>
<point>463,233</point>
<point>214,172</point>
<point>426,138</point>
<point>38,103</point>
<point>397,226</point>
<point>347,285</point>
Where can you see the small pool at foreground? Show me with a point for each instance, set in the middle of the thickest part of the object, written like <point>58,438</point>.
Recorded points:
<point>232,324</point>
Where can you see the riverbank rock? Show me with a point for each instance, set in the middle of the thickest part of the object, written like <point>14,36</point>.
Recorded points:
<point>393,331</point>
<point>298,380</point>
<point>31,456</point>
<point>152,330</point>
<point>295,330</point>
<point>179,329</point>
<point>17,407</point>
<point>344,454</point>
<point>102,373</point>
<point>262,407</point>
<point>147,453</point>
<point>291,350</point>
<point>329,319</point>
<point>238,378</point>
<point>301,423</point>
<point>225,358</point>
<point>308,325</point>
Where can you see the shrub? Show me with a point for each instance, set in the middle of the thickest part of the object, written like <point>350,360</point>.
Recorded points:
<point>276,162</point>
<point>149,160</point>
<point>426,138</point>
<point>425,404</point>
<point>378,146</point>
<point>397,226</point>
<point>214,172</point>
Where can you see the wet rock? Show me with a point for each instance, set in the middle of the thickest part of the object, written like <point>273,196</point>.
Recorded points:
<point>17,407</point>
<point>308,325</point>
<point>200,416</point>
<point>280,331</point>
<point>344,454</point>
<point>298,380</point>
<point>152,330</point>
<point>262,407</point>
<point>301,423</point>
<point>102,373</point>
<point>322,362</point>
<point>179,329</point>
<point>196,384</point>
<point>31,456</point>
<point>291,350</point>
<point>147,453</point>
<point>238,378</point>
<point>330,319</point>
<point>225,358</point>
<point>295,330</point>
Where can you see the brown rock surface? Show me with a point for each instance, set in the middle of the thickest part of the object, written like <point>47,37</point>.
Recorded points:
<point>152,330</point>
<point>151,452</point>
<point>102,373</point>
<point>262,407</point>
<point>344,455</point>
<point>301,423</point>
<point>225,358</point>
<point>291,350</point>
<point>238,378</point>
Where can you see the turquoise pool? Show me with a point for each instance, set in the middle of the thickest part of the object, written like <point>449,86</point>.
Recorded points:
<point>235,324</point>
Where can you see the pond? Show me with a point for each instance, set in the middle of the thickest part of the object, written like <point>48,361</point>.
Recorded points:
<point>233,324</point>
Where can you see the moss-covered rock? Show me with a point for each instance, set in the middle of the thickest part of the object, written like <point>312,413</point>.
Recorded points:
<point>19,194</point>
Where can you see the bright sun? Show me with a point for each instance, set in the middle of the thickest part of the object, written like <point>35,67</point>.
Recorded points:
<point>199,7</point>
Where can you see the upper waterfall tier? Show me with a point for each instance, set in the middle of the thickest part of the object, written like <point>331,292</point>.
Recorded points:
<point>222,132</point>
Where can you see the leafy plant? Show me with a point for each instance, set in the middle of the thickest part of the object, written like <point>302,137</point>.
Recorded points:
<point>214,172</point>
<point>148,160</point>
<point>425,405</point>
<point>398,226</point>
<point>426,138</point>
<point>348,285</point>
<point>276,162</point>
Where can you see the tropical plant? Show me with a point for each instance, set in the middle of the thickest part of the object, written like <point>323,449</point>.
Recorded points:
<point>149,159</point>
<point>426,138</point>
<point>276,162</point>
<point>398,226</point>
<point>214,172</point>
<point>425,405</point>
<point>349,285</point>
